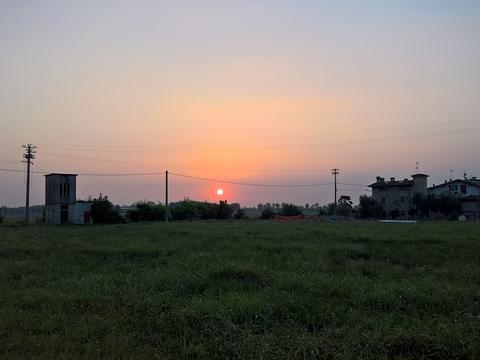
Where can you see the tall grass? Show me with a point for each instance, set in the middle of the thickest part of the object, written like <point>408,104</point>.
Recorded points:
<point>241,290</point>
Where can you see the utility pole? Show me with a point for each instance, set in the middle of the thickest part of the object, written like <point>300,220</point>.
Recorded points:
<point>28,156</point>
<point>335,172</point>
<point>166,197</point>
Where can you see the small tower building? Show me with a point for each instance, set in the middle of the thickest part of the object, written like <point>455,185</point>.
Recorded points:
<point>60,198</point>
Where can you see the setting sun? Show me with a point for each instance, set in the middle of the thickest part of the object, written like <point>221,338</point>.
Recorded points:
<point>219,191</point>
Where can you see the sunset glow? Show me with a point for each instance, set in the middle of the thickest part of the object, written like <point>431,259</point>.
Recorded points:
<point>260,99</point>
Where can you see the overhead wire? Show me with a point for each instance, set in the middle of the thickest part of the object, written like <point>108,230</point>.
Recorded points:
<point>249,184</point>
<point>84,147</point>
<point>293,146</point>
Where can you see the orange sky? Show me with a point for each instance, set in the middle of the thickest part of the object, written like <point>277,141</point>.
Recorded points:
<point>237,92</point>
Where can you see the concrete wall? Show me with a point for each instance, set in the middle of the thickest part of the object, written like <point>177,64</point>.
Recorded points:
<point>82,213</point>
<point>60,198</point>
<point>393,199</point>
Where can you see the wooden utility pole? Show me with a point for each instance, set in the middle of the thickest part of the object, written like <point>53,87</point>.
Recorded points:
<point>28,159</point>
<point>166,197</point>
<point>335,172</point>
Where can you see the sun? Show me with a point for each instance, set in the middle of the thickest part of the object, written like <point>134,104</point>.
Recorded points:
<point>219,191</point>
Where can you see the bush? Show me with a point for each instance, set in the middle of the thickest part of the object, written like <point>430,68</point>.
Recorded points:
<point>240,214</point>
<point>369,207</point>
<point>225,211</point>
<point>185,210</point>
<point>267,214</point>
<point>146,211</point>
<point>291,210</point>
<point>103,212</point>
<point>207,210</point>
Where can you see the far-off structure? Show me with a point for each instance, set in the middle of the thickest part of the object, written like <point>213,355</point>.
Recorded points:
<point>61,205</point>
<point>60,198</point>
<point>396,196</point>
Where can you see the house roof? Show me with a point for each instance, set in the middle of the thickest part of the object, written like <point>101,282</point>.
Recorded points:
<point>392,183</point>
<point>61,174</point>
<point>472,182</point>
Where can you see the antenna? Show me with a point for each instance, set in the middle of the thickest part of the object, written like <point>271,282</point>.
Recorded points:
<point>416,167</point>
<point>451,175</point>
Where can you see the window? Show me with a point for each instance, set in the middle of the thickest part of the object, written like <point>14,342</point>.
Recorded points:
<point>384,199</point>
<point>402,199</point>
<point>463,189</point>
<point>383,189</point>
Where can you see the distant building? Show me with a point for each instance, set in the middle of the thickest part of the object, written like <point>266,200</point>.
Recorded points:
<point>61,204</point>
<point>396,196</point>
<point>60,198</point>
<point>467,191</point>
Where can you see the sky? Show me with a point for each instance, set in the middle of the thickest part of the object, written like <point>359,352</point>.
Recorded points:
<point>259,98</point>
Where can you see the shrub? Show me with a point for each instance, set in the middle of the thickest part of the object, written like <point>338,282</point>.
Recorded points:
<point>103,212</point>
<point>146,211</point>
<point>267,214</point>
<point>207,210</point>
<point>369,207</point>
<point>185,210</point>
<point>225,211</point>
<point>291,210</point>
<point>240,214</point>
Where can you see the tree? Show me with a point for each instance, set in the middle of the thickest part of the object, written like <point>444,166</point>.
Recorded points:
<point>267,214</point>
<point>103,212</point>
<point>290,210</point>
<point>307,206</point>
<point>449,205</point>
<point>322,211</point>
<point>369,207</point>
<point>207,210</point>
<point>146,211</point>
<point>185,210</point>
<point>345,200</point>
<point>225,211</point>
<point>260,207</point>
<point>240,214</point>
<point>330,208</point>
<point>446,203</point>
<point>344,207</point>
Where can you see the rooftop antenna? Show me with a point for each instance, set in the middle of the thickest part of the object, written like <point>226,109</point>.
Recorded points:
<point>465,174</point>
<point>451,175</point>
<point>416,167</point>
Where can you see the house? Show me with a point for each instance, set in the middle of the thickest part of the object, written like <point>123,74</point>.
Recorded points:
<point>467,191</point>
<point>61,205</point>
<point>396,196</point>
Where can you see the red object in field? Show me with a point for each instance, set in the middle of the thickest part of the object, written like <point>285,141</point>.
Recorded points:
<point>287,218</point>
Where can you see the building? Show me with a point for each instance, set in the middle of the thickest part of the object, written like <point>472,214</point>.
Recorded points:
<point>60,198</point>
<point>467,191</point>
<point>396,196</point>
<point>82,212</point>
<point>61,205</point>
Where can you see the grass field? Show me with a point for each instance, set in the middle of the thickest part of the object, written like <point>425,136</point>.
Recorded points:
<point>248,289</point>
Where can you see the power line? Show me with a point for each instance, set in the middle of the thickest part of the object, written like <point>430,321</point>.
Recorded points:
<point>247,184</point>
<point>84,147</point>
<point>301,146</point>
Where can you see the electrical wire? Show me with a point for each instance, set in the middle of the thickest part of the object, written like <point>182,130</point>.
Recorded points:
<point>300,146</point>
<point>247,184</point>
<point>84,147</point>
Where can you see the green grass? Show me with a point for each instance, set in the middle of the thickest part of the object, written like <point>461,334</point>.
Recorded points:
<point>241,290</point>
